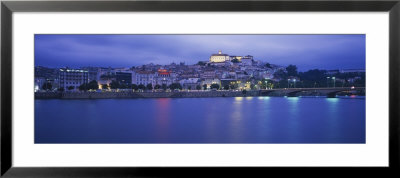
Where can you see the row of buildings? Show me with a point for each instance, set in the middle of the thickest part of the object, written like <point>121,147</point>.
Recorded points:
<point>221,69</point>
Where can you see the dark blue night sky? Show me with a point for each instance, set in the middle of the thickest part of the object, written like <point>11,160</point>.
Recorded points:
<point>304,51</point>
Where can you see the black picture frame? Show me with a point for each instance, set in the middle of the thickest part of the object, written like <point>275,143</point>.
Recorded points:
<point>8,7</point>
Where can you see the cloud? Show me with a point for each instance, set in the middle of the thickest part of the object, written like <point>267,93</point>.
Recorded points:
<point>305,51</point>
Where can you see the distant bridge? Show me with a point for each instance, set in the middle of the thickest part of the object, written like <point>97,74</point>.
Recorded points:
<point>329,92</point>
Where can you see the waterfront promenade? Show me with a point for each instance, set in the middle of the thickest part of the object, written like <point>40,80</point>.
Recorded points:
<point>290,92</point>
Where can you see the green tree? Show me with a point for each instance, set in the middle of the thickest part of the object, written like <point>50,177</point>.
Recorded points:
<point>105,86</point>
<point>268,65</point>
<point>291,70</point>
<point>83,87</point>
<point>114,84</point>
<point>214,86</point>
<point>149,86</point>
<point>252,86</point>
<point>175,86</point>
<point>164,86</point>
<point>141,87</point>
<point>201,63</point>
<point>198,87</point>
<point>92,85</point>
<point>134,87</point>
<point>47,86</point>
<point>71,87</point>
<point>61,89</point>
<point>226,87</point>
<point>205,87</point>
<point>157,87</point>
<point>235,60</point>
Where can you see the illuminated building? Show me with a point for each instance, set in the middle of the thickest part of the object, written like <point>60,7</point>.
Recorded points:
<point>72,78</point>
<point>143,77</point>
<point>219,57</point>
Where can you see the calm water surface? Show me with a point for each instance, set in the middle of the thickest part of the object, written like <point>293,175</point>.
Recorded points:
<point>201,120</point>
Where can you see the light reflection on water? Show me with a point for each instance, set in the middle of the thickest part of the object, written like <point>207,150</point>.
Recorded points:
<point>201,120</point>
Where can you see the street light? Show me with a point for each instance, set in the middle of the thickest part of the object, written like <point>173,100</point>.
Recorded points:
<point>327,82</point>
<point>294,83</point>
<point>334,81</point>
<point>288,83</point>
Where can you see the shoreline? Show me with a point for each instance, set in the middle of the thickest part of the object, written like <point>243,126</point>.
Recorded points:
<point>180,94</point>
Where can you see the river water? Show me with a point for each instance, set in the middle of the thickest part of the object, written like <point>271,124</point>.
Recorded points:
<point>201,120</point>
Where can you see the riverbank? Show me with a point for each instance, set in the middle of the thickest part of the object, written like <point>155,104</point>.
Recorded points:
<point>105,95</point>
<point>181,94</point>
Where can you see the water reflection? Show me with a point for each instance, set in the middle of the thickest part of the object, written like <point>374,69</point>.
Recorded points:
<point>332,119</point>
<point>162,118</point>
<point>201,120</point>
<point>293,129</point>
<point>236,127</point>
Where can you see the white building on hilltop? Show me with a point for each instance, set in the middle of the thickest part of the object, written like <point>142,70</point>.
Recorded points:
<point>219,57</point>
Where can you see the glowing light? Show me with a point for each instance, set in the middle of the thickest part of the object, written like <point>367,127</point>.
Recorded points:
<point>238,98</point>
<point>333,100</point>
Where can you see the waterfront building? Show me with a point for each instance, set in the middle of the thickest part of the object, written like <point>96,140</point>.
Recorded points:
<point>210,81</point>
<point>219,57</point>
<point>164,76</point>
<point>93,72</point>
<point>189,83</point>
<point>72,78</point>
<point>39,81</point>
<point>124,78</point>
<point>143,77</point>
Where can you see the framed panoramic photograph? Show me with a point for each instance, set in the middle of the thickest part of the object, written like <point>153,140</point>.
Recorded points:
<point>136,88</point>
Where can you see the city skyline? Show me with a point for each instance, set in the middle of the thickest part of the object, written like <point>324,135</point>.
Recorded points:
<point>305,51</point>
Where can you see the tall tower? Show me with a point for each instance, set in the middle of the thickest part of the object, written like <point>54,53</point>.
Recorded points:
<point>219,52</point>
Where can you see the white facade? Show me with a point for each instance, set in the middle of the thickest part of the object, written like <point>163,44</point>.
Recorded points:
<point>219,57</point>
<point>143,78</point>
<point>73,78</point>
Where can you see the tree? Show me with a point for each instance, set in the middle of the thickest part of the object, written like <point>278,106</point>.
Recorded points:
<point>252,86</point>
<point>134,87</point>
<point>201,63</point>
<point>244,92</point>
<point>157,87</point>
<point>114,84</point>
<point>104,86</point>
<point>198,87</point>
<point>232,86</point>
<point>268,65</point>
<point>164,86</point>
<point>141,87</point>
<point>175,86</point>
<point>83,87</point>
<point>235,60</point>
<point>71,87</point>
<point>61,89</point>
<point>149,86</point>
<point>270,85</point>
<point>291,70</point>
<point>226,87</point>
<point>205,86</point>
<point>92,85</point>
<point>214,85</point>
<point>280,74</point>
<point>47,86</point>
